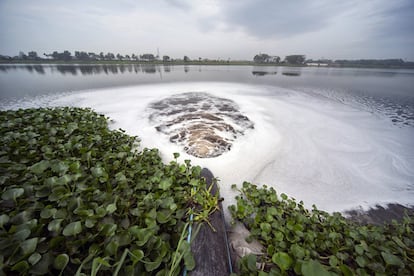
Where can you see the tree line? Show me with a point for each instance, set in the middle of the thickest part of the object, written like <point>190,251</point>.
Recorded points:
<point>301,60</point>
<point>261,58</point>
<point>85,56</point>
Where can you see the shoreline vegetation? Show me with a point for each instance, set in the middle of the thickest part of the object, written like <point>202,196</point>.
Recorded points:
<point>356,64</point>
<point>261,59</point>
<point>77,197</point>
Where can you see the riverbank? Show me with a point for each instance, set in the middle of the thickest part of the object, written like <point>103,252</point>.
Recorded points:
<point>195,62</point>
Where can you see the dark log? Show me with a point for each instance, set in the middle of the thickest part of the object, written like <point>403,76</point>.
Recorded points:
<point>210,249</point>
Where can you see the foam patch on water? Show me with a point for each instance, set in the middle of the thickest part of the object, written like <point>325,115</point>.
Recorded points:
<point>321,151</point>
<point>204,125</point>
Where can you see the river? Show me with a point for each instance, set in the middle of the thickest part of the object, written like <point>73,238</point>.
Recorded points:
<point>339,138</point>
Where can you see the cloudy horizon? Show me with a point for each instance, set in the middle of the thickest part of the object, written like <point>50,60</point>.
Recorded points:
<point>212,29</point>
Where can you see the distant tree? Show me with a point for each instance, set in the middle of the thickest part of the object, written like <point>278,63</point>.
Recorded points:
<point>109,56</point>
<point>81,55</point>
<point>66,55</point>
<point>5,57</point>
<point>22,55</point>
<point>147,57</point>
<point>166,58</point>
<point>93,56</point>
<point>32,55</point>
<point>186,59</point>
<point>101,56</point>
<point>295,59</point>
<point>127,57</point>
<point>55,55</point>
<point>133,56</point>
<point>261,58</point>
<point>119,57</point>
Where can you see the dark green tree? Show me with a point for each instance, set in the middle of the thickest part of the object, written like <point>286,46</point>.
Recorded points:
<point>261,58</point>
<point>295,59</point>
<point>32,55</point>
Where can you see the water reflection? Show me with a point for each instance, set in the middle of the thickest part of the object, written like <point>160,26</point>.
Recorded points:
<point>89,69</point>
<point>263,73</point>
<point>292,72</point>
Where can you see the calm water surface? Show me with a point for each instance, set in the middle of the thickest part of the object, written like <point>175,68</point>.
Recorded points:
<point>388,92</point>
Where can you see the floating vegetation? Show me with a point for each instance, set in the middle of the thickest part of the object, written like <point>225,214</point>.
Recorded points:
<point>298,241</point>
<point>79,198</point>
<point>204,125</point>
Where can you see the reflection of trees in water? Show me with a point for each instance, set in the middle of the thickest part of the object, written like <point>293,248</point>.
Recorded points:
<point>291,74</point>
<point>149,68</point>
<point>90,69</point>
<point>167,68</point>
<point>263,73</point>
<point>30,68</point>
<point>67,69</point>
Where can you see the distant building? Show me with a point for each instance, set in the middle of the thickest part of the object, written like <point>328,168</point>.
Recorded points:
<point>316,64</point>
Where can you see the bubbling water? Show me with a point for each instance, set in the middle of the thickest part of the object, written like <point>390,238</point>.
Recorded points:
<point>204,125</point>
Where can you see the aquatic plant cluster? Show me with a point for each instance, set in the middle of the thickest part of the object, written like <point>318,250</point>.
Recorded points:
<point>79,198</point>
<point>312,242</point>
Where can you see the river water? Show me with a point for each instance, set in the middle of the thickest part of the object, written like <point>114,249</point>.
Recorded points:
<point>337,138</point>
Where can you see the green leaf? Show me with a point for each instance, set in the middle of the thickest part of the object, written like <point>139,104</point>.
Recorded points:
<point>48,212</point>
<point>359,249</point>
<point>21,267</point>
<point>61,261</point>
<point>391,259</point>
<point>60,167</point>
<point>165,184</point>
<point>40,167</point>
<point>55,225</point>
<point>34,258</point>
<point>22,234</point>
<point>72,229</point>
<point>137,255</point>
<point>4,219</point>
<point>141,234</point>
<point>251,262</point>
<point>346,270</point>
<point>111,248</point>
<point>12,194</point>
<point>283,260</point>
<point>111,208</point>
<point>333,261</point>
<point>97,263</point>
<point>109,229</point>
<point>151,266</point>
<point>29,246</point>
<point>314,268</point>
<point>361,261</point>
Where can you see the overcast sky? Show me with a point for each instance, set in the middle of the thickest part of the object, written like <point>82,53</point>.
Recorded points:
<point>236,29</point>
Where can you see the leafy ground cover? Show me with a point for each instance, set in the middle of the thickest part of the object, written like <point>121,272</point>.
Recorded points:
<point>78,198</point>
<point>303,242</point>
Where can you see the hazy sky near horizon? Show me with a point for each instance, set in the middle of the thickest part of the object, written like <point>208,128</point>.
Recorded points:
<point>236,29</point>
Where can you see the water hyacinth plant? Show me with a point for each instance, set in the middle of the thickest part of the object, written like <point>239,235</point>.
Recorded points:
<point>78,198</point>
<point>312,242</point>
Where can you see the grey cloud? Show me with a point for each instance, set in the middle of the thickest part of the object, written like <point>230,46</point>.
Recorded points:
<point>269,18</point>
<point>180,4</point>
<point>398,21</point>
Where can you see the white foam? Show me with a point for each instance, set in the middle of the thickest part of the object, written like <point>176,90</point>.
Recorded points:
<point>317,150</point>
